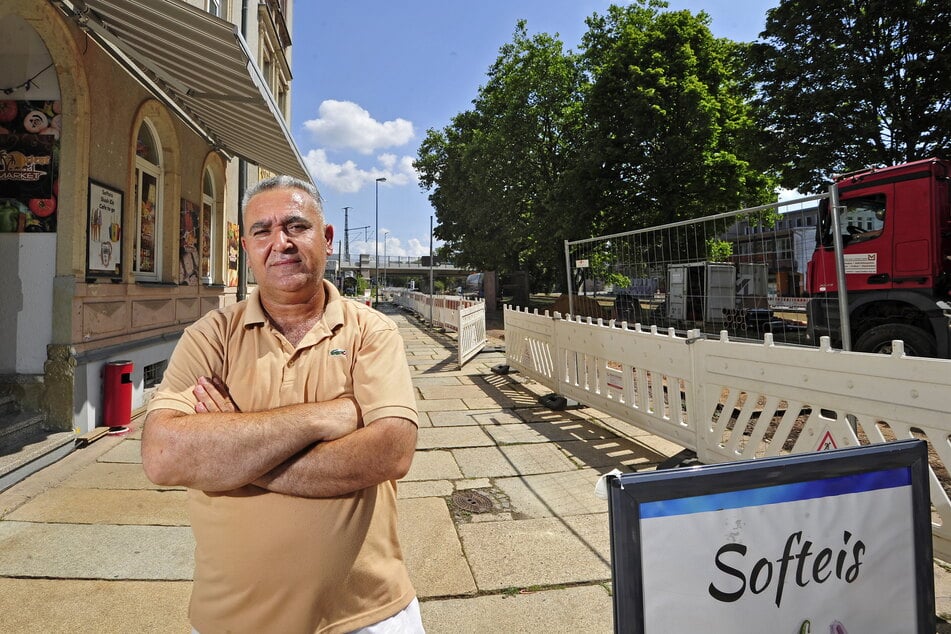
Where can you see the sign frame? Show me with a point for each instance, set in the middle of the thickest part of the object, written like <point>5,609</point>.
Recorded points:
<point>104,256</point>
<point>628,493</point>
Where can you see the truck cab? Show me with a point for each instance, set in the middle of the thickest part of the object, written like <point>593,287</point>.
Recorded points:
<point>896,235</point>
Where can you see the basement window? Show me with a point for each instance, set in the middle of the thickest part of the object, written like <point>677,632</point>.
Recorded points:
<point>152,374</point>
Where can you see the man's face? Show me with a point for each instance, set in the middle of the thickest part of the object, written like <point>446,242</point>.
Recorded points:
<point>286,241</point>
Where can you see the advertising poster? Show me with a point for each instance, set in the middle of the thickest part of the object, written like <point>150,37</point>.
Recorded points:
<point>810,555</point>
<point>148,197</point>
<point>29,165</point>
<point>188,245</point>
<point>205,235</point>
<point>104,233</point>
<point>233,246</point>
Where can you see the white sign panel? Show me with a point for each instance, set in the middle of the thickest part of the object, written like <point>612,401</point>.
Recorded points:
<point>581,264</point>
<point>790,558</point>
<point>861,262</point>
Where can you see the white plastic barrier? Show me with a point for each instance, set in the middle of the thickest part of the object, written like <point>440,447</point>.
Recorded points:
<point>466,317</point>
<point>732,401</point>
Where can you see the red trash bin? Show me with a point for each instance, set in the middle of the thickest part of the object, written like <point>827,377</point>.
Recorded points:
<point>117,394</point>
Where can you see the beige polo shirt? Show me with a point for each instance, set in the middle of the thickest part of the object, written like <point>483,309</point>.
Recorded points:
<point>267,562</point>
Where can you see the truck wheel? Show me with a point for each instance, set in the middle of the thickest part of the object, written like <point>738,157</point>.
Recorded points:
<point>918,343</point>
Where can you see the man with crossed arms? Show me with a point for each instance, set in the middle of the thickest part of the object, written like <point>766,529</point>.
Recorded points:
<point>289,417</point>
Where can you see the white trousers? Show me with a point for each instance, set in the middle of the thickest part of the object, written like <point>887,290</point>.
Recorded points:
<point>406,621</point>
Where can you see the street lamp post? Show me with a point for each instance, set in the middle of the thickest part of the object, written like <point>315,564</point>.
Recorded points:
<point>376,237</point>
<point>385,233</point>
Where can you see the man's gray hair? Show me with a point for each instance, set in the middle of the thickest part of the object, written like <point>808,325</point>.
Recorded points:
<point>283,182</point>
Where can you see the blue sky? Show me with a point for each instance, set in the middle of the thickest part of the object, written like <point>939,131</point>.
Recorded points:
<point>371,77</point>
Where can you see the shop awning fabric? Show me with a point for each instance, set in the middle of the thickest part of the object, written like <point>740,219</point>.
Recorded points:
<point>201,66</point>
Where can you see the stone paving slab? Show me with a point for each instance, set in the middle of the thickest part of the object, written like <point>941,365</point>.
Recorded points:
<point>467,417</point>
<point>96,551</point>
<point>638,435</point>
<point>661,447</point>
<point>437,392</point>
<point>56,606</point>
<point>447,379</point>
<point>576,610</point>
<point>112,475</point>
<point>130,450</point>
<point>431,367</point>
<point>522,553</point>
<point>474,483</point>
<point>443,405</point>
<point>484,402</point>
<point>511,460</point>
<point>105,506</point>
<point>433,465</point>
<point>450,437</point>
<point>506,391</point>
<point>495,418</point>
<point>610,453</point>
<point>530,433</point>
<point>432,549</point>
<point>424,489</point>
<point>554,494</point>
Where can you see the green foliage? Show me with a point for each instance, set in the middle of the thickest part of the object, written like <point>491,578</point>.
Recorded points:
<point>494,174</point>
<point>668,122</point>
<point>650,123</point>
<point>719,250</point>
<point>601,267</point>
<point>846,85</point>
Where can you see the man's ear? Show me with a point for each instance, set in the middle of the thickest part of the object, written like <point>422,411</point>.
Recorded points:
<point>329,236</point>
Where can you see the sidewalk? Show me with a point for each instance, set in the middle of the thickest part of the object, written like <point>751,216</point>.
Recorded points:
<point>498,518</point>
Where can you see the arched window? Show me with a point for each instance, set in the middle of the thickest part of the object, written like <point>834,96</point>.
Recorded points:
<point>208,228</point>
<point>146,252</point>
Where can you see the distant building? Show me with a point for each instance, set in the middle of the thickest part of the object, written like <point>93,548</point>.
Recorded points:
<point>128,132</point>
<point>785,246</point>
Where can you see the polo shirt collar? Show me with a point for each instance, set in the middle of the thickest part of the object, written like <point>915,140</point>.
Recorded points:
<point>333,308</point>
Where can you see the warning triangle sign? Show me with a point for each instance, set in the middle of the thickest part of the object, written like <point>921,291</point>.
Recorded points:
<point>827,443</point>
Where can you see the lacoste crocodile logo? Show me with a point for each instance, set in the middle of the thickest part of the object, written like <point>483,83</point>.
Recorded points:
<point>338,352</point>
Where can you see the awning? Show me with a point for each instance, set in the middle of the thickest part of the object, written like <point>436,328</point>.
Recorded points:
<point>202,64</point>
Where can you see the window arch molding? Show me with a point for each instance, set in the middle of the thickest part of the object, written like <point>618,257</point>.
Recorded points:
<point>153,117</point>
<point>214,247</point>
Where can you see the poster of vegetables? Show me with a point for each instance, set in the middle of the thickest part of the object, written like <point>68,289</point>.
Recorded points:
<point>104,233</point>
<point>233,233</point>
<point>29,165</point>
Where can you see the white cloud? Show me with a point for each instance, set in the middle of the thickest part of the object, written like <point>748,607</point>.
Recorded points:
<point>787,194</point>
<point>345,125</point>
<point>348,177</point>
<point>415,248</point>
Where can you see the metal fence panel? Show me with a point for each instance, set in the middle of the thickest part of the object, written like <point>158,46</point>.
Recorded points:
<point>743,271</point>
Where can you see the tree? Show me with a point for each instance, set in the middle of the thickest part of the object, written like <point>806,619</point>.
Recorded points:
<point>847,84</point>
<point>495,173</point>
<point>649,124</point>
<point>670,134</point>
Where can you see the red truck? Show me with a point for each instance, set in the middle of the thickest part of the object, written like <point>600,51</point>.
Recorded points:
<point>895,224</point>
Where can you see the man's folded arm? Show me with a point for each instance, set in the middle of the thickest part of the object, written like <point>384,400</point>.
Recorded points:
<point>375,453</point>
<point>225,450</point>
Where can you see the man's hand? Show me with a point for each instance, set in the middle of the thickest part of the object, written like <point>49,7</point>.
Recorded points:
<point>213,396</point>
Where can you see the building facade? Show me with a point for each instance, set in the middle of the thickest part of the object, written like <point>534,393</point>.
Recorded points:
<point>128,132</point>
